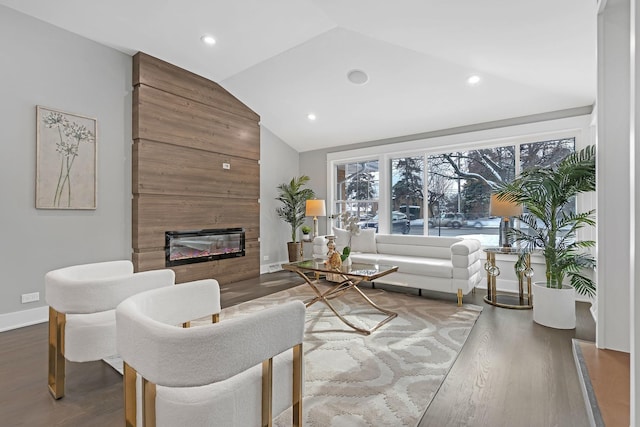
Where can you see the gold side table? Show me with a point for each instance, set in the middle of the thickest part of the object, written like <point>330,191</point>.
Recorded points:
<point>521,301</point>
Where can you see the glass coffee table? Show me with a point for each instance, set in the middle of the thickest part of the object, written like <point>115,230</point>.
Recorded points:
<point>349,278</point>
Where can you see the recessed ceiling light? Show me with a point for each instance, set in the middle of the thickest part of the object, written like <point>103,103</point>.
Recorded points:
<point>311,116</point>
<point>357,77</point>
<point>473,80</point>
<point>206,39</point>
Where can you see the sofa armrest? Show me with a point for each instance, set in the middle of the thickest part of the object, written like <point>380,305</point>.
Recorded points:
<point>465,247</point>
<point>466,259</point>
<point>465,253</point>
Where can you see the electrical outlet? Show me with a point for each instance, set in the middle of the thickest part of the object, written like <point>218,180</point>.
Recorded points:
<point>265,258</point>
<point>32,297</point>
<point>226,166</point>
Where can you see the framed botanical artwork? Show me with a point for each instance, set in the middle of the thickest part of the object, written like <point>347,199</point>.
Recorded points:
<point>66,160</point>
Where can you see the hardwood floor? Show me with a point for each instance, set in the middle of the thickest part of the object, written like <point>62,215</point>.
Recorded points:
<point>510,372</point>
<point>513,372</point>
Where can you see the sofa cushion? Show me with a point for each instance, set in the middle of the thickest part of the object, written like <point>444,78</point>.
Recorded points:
<point>367,258</point>
<point>365,241</point>
<point>418,246</point>
<point>434,267</point>
<point>342,238</point>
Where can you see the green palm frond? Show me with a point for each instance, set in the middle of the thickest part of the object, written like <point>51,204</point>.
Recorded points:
<point>293,196</point>
<point>545,193</point>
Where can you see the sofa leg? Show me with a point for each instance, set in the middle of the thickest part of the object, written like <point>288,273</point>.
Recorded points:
<point>420,292</point>
<point>373,285</point>
<point>459,297</point>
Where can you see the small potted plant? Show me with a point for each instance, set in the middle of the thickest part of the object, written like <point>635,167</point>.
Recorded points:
<point>306,230</point>
<point>294,196</point>
<point>350,223</point>
<point>549,228</point>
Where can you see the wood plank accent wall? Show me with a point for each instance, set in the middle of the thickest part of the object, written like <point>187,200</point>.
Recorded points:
<point>184,128</point>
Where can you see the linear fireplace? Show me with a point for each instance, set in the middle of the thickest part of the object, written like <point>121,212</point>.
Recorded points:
<point>187,247</point>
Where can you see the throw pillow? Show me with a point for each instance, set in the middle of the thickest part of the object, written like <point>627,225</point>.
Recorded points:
<point>365,241</point>
<point>342,238</point>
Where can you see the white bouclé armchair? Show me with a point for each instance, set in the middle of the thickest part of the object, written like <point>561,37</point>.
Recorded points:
<point>82,301</point>
<point>239,372</point>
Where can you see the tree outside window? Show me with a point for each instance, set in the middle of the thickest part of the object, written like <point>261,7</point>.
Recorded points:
<point>458,188</point>
<point>357,189</point>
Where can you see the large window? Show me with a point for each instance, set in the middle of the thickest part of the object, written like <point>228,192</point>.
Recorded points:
<point>357,189</point>
<point>407,195</point>
<point>438,193</point>
<point>460,184</point>
<point>460,190</point>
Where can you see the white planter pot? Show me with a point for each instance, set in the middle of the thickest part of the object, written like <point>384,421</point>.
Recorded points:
<point>555,308</point>
<point>347,261</point>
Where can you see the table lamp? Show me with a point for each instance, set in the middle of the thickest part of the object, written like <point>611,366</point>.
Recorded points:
<point>504,209</point>
<point>315,208</point>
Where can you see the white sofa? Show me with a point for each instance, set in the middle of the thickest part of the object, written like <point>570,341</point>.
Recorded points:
<point>444,264</point>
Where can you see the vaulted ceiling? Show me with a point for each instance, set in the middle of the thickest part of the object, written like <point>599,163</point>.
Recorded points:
<point>288,58</point>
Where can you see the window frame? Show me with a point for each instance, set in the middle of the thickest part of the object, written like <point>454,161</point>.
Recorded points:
<point>578,127</point>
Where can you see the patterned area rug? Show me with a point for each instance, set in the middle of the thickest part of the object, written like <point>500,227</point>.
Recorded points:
<point>385,379</point>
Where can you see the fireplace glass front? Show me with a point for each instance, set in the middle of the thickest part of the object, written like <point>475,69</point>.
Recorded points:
<point>186,247</point>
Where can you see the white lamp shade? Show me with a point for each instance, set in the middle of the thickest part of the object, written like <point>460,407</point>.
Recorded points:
<point>504,208</point>
<point>316,208</point>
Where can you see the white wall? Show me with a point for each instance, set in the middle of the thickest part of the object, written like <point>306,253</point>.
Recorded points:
<point>44,65</point>
<point>278,163</point>
<point>614,219</point>
<point>634,161</point>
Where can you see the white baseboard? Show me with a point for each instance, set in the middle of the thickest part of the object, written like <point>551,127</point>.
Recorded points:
<point>273,267</point>
<point>19,319</point>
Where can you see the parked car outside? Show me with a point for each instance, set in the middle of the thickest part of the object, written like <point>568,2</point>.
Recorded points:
<point>399,223</point>
<point>413,212</point>
<point>448,219</point>
<point>488,222</point>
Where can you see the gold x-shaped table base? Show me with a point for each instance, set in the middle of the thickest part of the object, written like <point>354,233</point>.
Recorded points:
<point>339,289</point>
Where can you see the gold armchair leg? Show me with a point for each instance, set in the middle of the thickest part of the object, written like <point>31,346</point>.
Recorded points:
<point>148,403</point>
<point>267,392</point>
<point>459,297</point>
<point>215,318</point>
<point>186,325</point>
<point>57,322</point>
<point>297,385</point>
<point>129,382</point>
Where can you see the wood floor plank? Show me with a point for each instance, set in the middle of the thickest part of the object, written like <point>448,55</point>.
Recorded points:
<point>510,372</point>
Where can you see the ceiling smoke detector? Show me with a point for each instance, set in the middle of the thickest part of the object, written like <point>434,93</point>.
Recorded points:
<point>357,77</point>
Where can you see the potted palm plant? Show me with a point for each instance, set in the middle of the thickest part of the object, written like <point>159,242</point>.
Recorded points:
<point>293,196</point>
<point>550,227</point>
